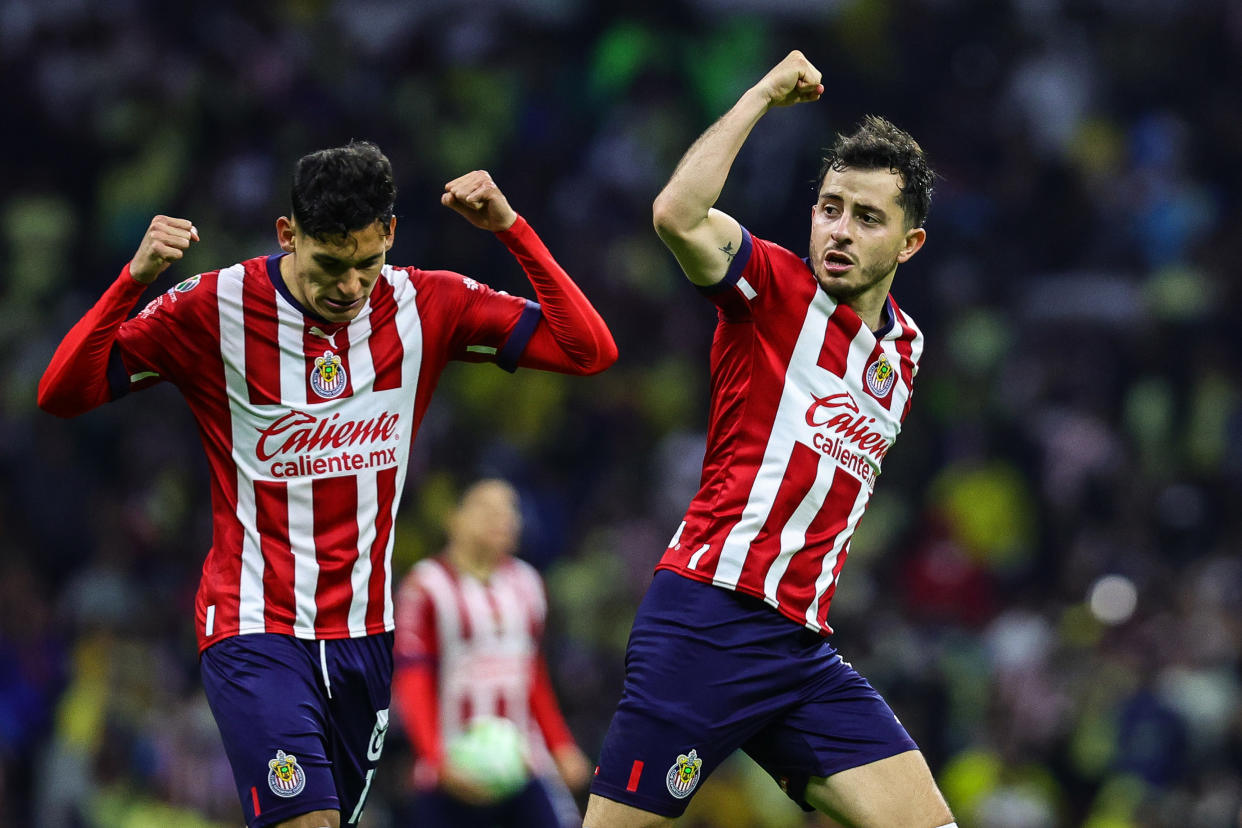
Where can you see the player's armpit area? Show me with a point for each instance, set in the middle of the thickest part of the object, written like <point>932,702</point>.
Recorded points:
<point>704,250</point>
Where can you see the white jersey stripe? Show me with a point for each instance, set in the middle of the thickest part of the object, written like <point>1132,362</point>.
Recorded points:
<point>230,287</point>
<point>793,534</point>
<point>301,524</point>
<point>360,578</point>
<point>482,694</point>
<point>830,560</point>
<point>299,492</point>
<point>779,446</point>
<point>363,379</point>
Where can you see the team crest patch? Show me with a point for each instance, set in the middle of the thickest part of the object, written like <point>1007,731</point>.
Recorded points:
<point>328,377</point>
<point>285,776</point>
<point>683,777</point>
<point>881,376</point>
<point>188,285</point>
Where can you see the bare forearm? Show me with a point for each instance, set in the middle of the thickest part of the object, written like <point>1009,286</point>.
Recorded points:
<point>700,176</point>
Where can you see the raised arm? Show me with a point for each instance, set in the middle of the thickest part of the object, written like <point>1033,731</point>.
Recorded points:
<point>704,239</point>
<point>571,336</point>
<point>76,380</point>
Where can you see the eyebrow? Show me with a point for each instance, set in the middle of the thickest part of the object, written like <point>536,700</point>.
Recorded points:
<point>858,205</point>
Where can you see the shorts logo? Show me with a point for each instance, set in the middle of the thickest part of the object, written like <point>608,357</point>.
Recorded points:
<point>187,285</point>
<point>683,777</point>
<point>880,376</point>
<point>328,377</point>
<point>284,776</point>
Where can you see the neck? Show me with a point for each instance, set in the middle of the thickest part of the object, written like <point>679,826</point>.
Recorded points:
<point>473,564</point>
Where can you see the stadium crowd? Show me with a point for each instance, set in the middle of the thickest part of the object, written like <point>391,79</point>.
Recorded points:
<point>1048,585</point>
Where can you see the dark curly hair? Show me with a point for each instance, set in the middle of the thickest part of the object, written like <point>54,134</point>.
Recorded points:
<point>878,145</point>
<point>339,190</point>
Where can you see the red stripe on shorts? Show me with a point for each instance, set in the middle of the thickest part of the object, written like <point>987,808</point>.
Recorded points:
<point>636,773</point>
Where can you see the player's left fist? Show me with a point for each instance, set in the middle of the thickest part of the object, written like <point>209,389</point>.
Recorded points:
<point>476,196</point>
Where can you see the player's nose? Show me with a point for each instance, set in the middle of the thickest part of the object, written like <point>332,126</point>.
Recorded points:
<point>351,285</point>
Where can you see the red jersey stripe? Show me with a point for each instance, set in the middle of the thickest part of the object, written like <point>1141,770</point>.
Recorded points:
<point>272,509</point>
<point>336,549</point>
<point>386,490</point>
<point>387,352</point>
<point>795,484</point>
<point>262,345</point>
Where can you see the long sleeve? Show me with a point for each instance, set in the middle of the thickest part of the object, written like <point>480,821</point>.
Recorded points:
<point>76,380</point>
<point>546,711</point>
<point>414,693</point>
<point>571,337</point>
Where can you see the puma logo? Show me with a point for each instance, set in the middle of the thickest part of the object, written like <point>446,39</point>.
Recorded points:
<point>320,332</point>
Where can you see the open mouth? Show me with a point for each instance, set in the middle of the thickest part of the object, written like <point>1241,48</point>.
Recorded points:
<point>836,262</point>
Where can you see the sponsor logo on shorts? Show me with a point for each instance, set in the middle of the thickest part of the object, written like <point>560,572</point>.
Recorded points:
<point>328,377</point>
<point>284,776</point>
<point>683,777</point>
<point>880,377</point>
<point>376,746</point>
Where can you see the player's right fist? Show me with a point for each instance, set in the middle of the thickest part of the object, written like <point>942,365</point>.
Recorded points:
<point>165,242</point>
<point>793,80</point>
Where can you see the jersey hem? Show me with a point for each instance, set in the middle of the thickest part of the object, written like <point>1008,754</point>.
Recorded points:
<point>332,635</point>
<point>702,578</point>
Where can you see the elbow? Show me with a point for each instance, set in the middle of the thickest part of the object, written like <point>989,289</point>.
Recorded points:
<point>54,404</point>
<point>603,358</point>
<point>668,216</point>
<point>606,357</point>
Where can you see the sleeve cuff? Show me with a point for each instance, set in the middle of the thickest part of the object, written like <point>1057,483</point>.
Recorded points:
<point>516,233</point>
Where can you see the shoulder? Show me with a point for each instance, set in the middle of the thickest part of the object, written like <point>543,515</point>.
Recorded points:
<point>187,296</point>
<point>905,326</point>
<point>428,575</point>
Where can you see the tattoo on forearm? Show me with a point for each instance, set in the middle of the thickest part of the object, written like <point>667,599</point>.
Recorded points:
<point>729,251</point>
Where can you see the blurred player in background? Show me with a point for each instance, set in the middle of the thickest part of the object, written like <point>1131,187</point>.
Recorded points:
<point>308,373</point>
<point>469,623</point>
<point>811,367</point>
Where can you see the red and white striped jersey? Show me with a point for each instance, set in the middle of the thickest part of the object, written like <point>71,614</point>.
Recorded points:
<point>307,427</point>
<point>805,402</point>
<point>483,639</point>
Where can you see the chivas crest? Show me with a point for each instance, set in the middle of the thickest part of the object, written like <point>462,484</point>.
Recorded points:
<point>880,376</point>
<point>328,377</point>
<point>284,776</point>
<point>683,777</point>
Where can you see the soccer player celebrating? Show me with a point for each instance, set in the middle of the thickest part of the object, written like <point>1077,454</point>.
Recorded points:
<point>811,370</point>
<point>467,657</point>
<point>308,373</point>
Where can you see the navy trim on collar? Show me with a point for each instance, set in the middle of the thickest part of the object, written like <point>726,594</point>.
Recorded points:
<point>273,273</point>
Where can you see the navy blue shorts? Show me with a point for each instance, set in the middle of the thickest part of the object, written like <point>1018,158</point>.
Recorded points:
<point>303,722</point>
<point>709,671</point>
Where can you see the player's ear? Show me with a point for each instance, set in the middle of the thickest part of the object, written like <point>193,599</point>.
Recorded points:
<point>392,234</point>
<point>285,232</point>
<point>914,241</point>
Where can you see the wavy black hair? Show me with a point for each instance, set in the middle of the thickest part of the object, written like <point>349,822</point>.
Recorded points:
<point>339,190</point>
<point>878,145</point>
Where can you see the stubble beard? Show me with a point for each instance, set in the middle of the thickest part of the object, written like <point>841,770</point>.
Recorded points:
<point>844,291</point>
